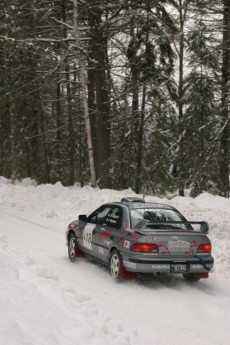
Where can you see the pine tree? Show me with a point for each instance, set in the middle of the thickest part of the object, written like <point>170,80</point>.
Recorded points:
<point>201,114</point>
<point>225,116</point>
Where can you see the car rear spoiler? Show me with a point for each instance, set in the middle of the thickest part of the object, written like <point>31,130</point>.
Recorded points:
<point>204,228</point>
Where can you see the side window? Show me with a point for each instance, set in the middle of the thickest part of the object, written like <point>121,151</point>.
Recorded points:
<point>99,216</point>
<point>114,218</point>
<point>136,216</point>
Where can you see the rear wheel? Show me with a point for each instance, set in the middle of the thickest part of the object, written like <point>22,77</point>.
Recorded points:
<point>116,267</point>
<point>73,250</point>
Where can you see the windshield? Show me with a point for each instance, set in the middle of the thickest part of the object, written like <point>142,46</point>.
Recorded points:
<point>158,215</point>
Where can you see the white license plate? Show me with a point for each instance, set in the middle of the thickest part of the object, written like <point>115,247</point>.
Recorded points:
<point>178,268</point>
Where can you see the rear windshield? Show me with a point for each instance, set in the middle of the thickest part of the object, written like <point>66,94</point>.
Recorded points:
<point>158,215</point>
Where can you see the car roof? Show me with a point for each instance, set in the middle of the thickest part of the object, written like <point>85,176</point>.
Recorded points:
<point>133,202</point>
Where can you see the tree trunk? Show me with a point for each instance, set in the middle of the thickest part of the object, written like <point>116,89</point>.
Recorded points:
<point>180,99</point>
<point>225,135</point>
<point>140,143</point>
<point>82,67</point>
<point>71,152</point>
<point>13,143</point>
<point>46,174</point>
<point>99,95</point>
<point>58,135</point>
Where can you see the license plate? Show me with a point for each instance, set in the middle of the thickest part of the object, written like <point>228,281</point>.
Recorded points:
<point>178,268</point>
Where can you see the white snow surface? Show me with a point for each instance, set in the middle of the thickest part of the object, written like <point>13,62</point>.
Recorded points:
<point>47,300</point>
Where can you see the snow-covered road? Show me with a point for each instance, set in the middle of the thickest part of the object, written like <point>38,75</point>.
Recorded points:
<point>46,300</point>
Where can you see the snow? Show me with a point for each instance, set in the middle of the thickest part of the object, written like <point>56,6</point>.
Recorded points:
<point>47,300</point>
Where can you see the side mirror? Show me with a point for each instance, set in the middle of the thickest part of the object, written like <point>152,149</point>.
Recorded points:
<point>83,218</point>
<point>204,227</point>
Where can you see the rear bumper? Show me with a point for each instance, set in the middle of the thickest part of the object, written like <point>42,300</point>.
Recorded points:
<point>164,265</point>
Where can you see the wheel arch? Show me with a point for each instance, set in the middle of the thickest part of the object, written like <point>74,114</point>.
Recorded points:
<point>112,249</point>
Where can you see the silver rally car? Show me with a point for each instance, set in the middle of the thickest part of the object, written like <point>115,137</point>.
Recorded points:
<point>134,236</point>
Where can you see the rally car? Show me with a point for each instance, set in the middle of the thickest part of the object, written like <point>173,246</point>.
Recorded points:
<point>133,236</point>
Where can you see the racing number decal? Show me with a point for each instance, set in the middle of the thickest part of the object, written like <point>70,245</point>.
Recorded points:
<point>88,236</point>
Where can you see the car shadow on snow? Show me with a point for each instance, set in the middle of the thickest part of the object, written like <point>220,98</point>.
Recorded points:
<point>148,280</point>
<point>157,281</point>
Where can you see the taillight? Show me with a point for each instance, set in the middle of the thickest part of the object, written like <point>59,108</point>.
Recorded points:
<point>144,248</point>
<point>204,248</point>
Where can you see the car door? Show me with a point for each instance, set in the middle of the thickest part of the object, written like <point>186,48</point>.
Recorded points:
<point>107,232</point>
<point>95,222</point>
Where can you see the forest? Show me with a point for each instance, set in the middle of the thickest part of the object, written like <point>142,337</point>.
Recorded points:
<point>116,94</point>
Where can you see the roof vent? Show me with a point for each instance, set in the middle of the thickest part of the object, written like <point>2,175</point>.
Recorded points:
<point>132,199</point>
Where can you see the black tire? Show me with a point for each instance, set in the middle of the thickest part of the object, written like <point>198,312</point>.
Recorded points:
<point>116,268</point>
<point>73,248</point>
<point>115,265</point>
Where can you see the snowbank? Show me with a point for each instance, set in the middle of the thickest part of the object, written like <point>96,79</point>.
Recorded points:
<point>46,300</point>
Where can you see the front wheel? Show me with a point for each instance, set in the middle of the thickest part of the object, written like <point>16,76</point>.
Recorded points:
<point>73,250</point>
<point>117,270</point>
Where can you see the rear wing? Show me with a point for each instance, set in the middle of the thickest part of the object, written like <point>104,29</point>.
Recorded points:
<point>204,228</point>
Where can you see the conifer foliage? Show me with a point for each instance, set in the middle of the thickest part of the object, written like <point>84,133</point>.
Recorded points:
<point>116,93</point>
